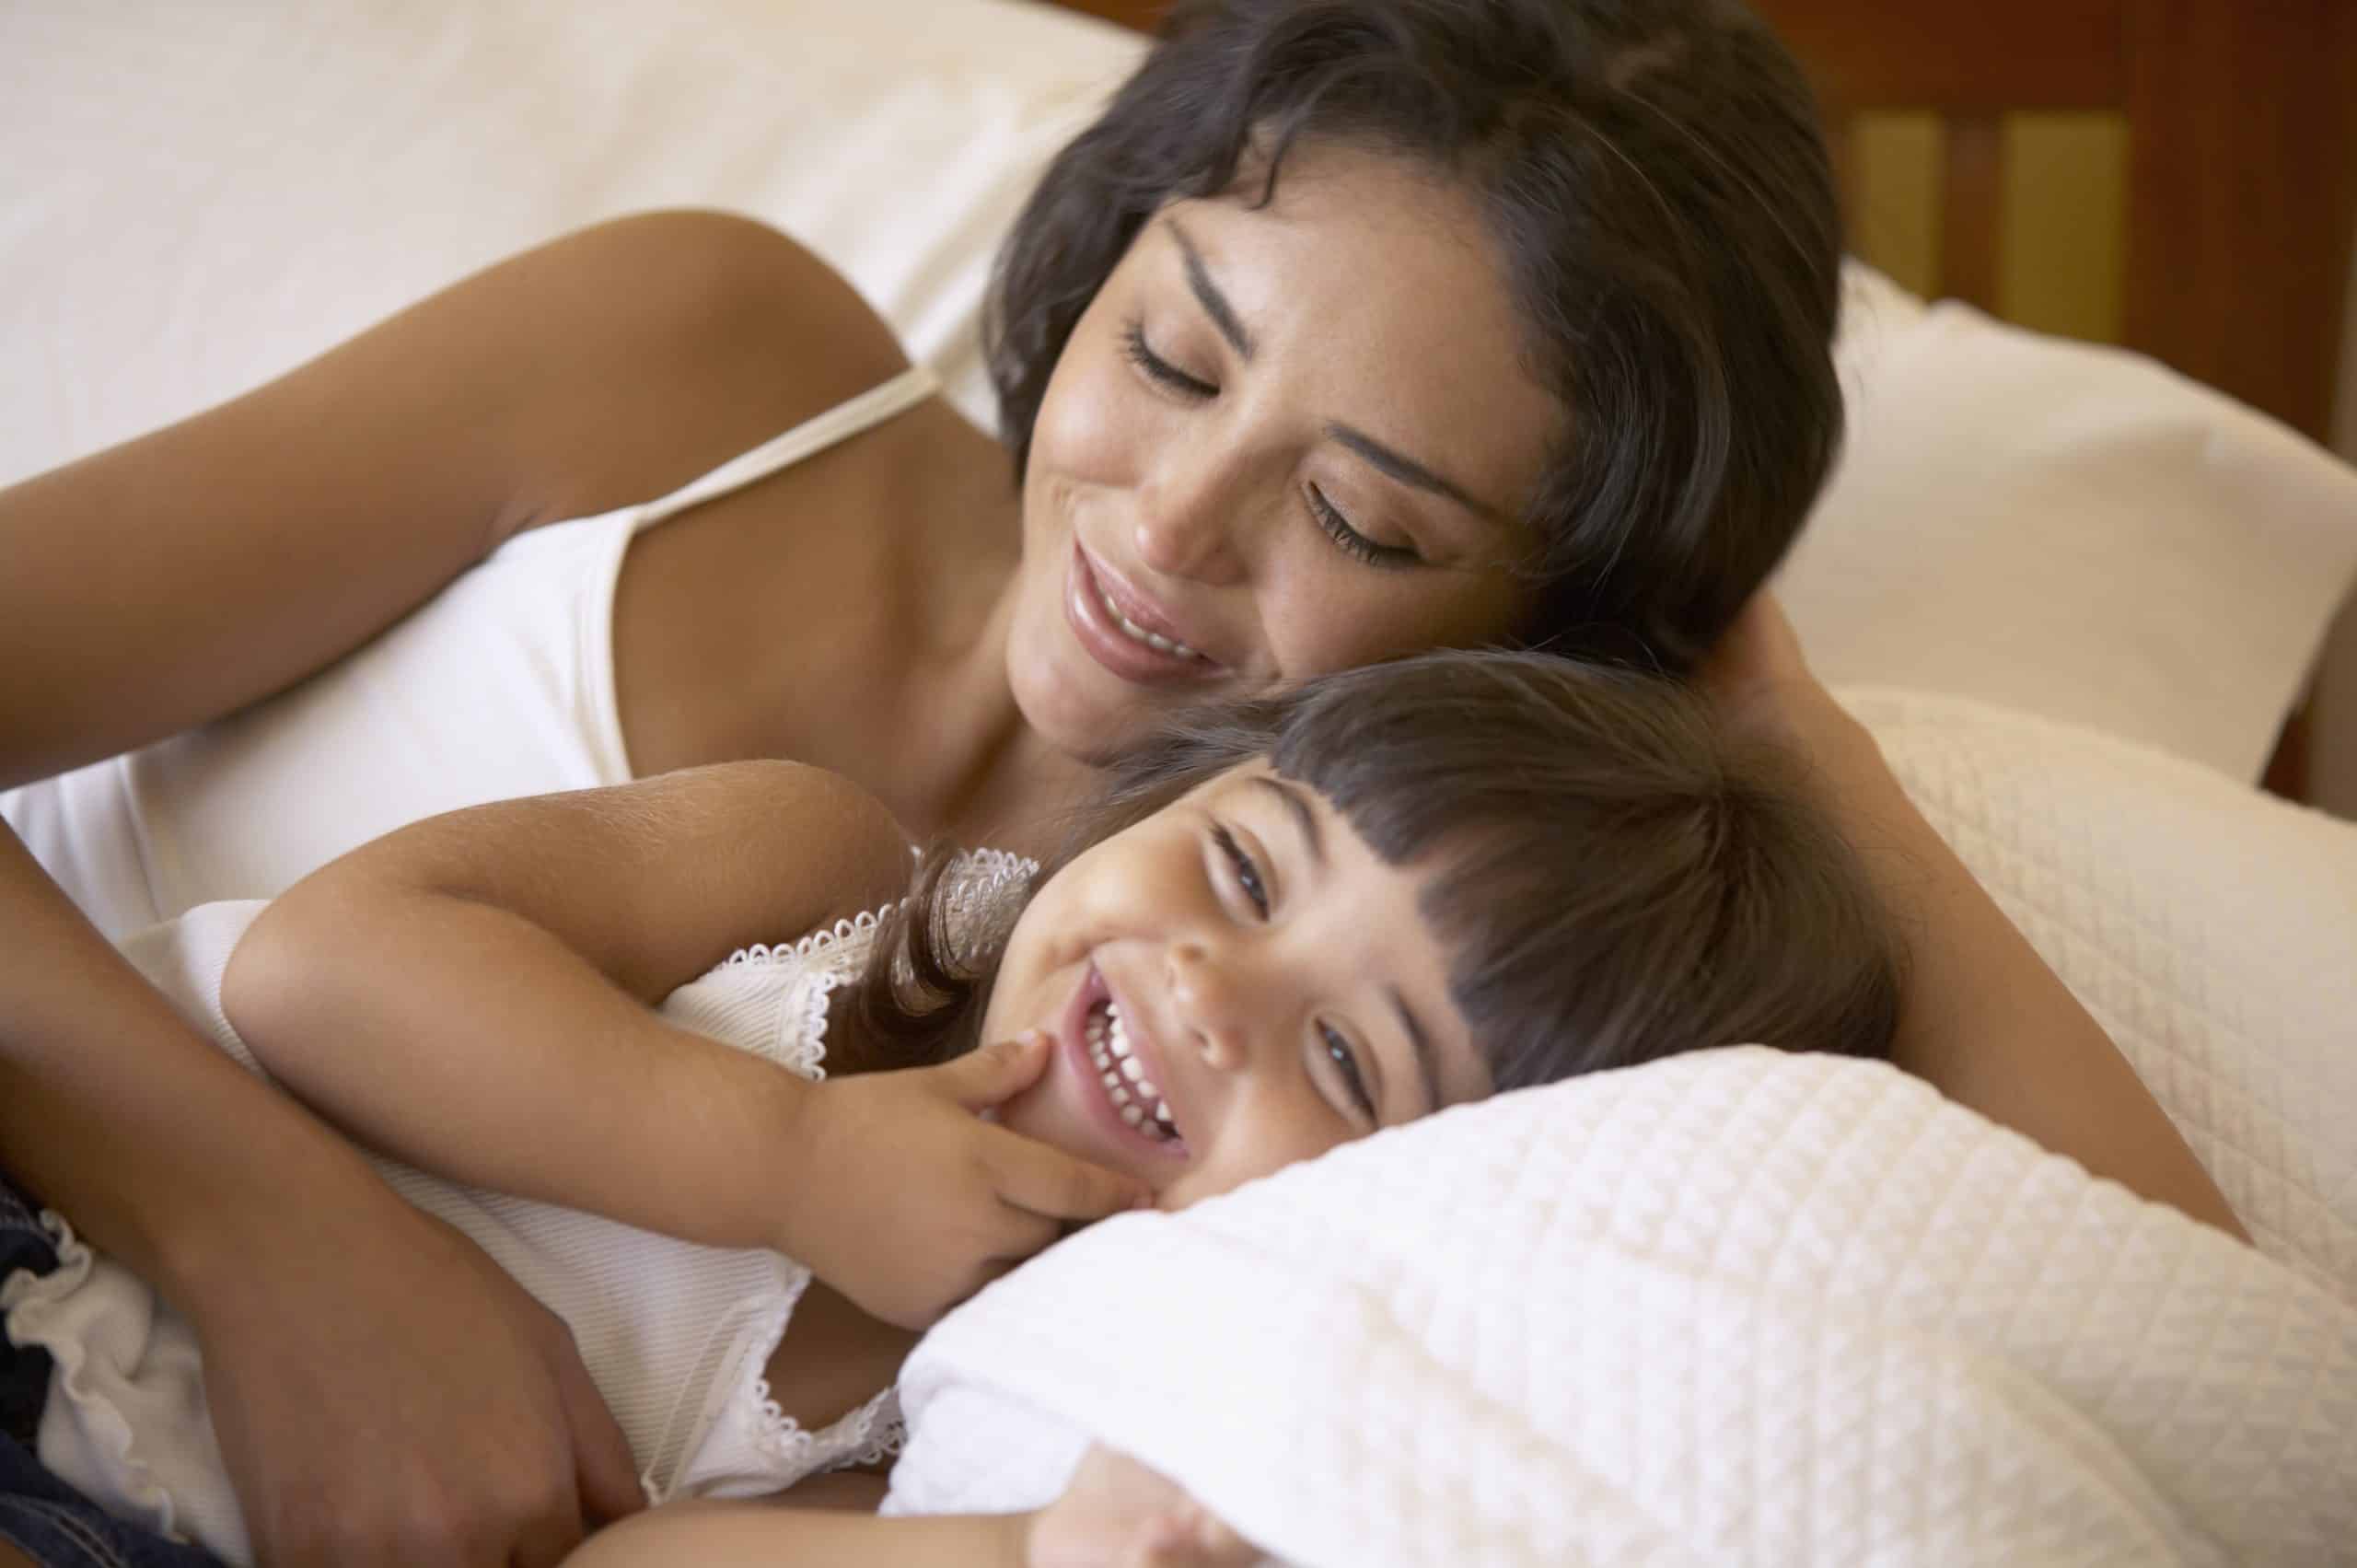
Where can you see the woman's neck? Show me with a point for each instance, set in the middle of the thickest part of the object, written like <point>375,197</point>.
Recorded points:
<point>943,742</point>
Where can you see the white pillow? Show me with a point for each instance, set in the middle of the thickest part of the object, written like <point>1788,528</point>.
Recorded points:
<point>202,196</point>
<point>2071,530</point>
<point>205,195</point>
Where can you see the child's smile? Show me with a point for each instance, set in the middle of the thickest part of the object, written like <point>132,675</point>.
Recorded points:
<point>1117,1068</point>
<point>1233,984</point>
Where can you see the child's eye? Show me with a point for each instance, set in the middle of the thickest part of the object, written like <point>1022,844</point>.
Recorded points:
<point>1348,539</point>
<point>1247,875</point>
<point>1346,1063</point>
<point>1159,369</point>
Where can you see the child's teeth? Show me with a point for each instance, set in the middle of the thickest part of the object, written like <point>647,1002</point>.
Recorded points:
<point>1145,1088</point>
<point>1162,1112</point>
<point>1132,1114</point>
<point>1132,1069</point>
<point>1112,1080</point>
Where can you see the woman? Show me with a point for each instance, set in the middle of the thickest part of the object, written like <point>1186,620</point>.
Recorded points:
<point>1350,329</point>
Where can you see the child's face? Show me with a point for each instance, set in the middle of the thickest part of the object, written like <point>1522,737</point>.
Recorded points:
<point>1238,1038</point>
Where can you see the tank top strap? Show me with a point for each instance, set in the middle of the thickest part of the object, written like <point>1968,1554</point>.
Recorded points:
<point>807,439</point>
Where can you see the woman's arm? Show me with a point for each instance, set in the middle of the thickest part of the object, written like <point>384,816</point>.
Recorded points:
<point>162,583</point>
<point>382,1395</point>
<point>471,994</point>
<point>1982,1018</point>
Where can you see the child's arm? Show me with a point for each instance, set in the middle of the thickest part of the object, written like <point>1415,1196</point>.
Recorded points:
<point>778,1535</point>
<point>1116,1514</point>
<point>471,994</point>
<point>1982,1018</point>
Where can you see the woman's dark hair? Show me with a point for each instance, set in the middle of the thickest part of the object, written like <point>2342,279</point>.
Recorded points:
<point>1612,876</point>
<point>1656,180</point>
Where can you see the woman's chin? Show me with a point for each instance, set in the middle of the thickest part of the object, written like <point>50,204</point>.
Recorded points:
<point>1072,702</point>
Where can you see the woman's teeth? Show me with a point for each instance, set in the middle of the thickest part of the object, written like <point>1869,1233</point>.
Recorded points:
<point>1154,640</point>
<point>1134,1098</point>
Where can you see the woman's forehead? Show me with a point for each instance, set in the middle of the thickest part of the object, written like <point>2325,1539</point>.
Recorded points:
<point>1375,291</point>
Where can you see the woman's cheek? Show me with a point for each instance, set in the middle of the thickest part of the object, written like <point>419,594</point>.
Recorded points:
<point>1090,429</point>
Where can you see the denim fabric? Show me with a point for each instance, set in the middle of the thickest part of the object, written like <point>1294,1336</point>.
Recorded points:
<point>39,1515</point>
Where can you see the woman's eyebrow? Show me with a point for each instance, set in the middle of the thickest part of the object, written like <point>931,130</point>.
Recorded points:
<point>1388,460</point>
<point>1207,293</point>
<point>1407,470</point>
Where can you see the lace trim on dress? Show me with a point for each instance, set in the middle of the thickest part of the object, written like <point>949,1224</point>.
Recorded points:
<point>980,900</point>
<point>857,1438</point>
<point>980,904</point>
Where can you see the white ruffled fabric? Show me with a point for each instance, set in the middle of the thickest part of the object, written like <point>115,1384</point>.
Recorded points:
<point>1743,1306</point>
<point>676,1337</point>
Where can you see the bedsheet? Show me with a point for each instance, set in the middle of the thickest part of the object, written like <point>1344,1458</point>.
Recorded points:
<point>1743,1306</point>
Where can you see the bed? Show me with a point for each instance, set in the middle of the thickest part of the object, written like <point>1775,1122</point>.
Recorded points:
<point>1811,1314</point>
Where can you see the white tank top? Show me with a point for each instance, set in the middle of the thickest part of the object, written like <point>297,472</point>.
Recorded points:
<point>676,1337</point>
<point>501,685</point>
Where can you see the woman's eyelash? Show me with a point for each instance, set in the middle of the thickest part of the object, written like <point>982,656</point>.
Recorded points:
<point>1247,875</point>
<point>1327,516</point>
<point>1346,1063</point>
<point>1349,540</point>
<point>1141,354</point>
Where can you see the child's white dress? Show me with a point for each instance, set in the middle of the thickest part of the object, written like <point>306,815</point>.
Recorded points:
<point>676,1336</point>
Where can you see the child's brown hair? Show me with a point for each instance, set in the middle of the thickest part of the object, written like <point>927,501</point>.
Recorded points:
<point>1613,877</point>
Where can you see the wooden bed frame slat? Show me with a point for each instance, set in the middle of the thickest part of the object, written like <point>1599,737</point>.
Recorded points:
<point>1959,57</point>
<point>1971,237</point>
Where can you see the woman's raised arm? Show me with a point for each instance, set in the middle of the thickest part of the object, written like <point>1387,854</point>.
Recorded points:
<point>162,583</point>
<point>1983,1020</point>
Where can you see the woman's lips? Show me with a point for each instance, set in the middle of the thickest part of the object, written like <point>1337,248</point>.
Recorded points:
<point>1096,604</point>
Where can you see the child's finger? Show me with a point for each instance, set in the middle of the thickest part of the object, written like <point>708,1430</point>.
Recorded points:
<point>996,1072</point>
<point>1162,1541</point>
<point>1045,1181</point>
<point>1219,1547</point>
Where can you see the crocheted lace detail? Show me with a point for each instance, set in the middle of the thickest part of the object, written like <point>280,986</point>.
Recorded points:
<point>860,1437</point>
<point>980,900</point>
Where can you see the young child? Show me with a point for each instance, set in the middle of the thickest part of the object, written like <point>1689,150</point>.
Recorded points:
<point>1285,924</point>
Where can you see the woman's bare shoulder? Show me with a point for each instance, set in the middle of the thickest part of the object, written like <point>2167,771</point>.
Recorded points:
<point>679,339</point>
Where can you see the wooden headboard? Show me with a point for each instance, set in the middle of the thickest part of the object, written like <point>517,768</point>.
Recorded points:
<point>2224,247</point>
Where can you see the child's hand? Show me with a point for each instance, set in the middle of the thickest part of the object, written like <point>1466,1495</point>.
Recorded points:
<point>898,1194</point>
<point>1118,1514</point>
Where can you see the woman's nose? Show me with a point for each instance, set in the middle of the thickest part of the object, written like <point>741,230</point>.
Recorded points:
<point>1187,523</point>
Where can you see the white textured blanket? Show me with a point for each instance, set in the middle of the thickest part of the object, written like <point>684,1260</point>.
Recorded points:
<point>1745,1306</point>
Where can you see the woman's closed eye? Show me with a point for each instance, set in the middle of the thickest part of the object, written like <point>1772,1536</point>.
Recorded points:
<point>1160,370</point>
<point>1329,517</point>
<point>1349,540</point>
